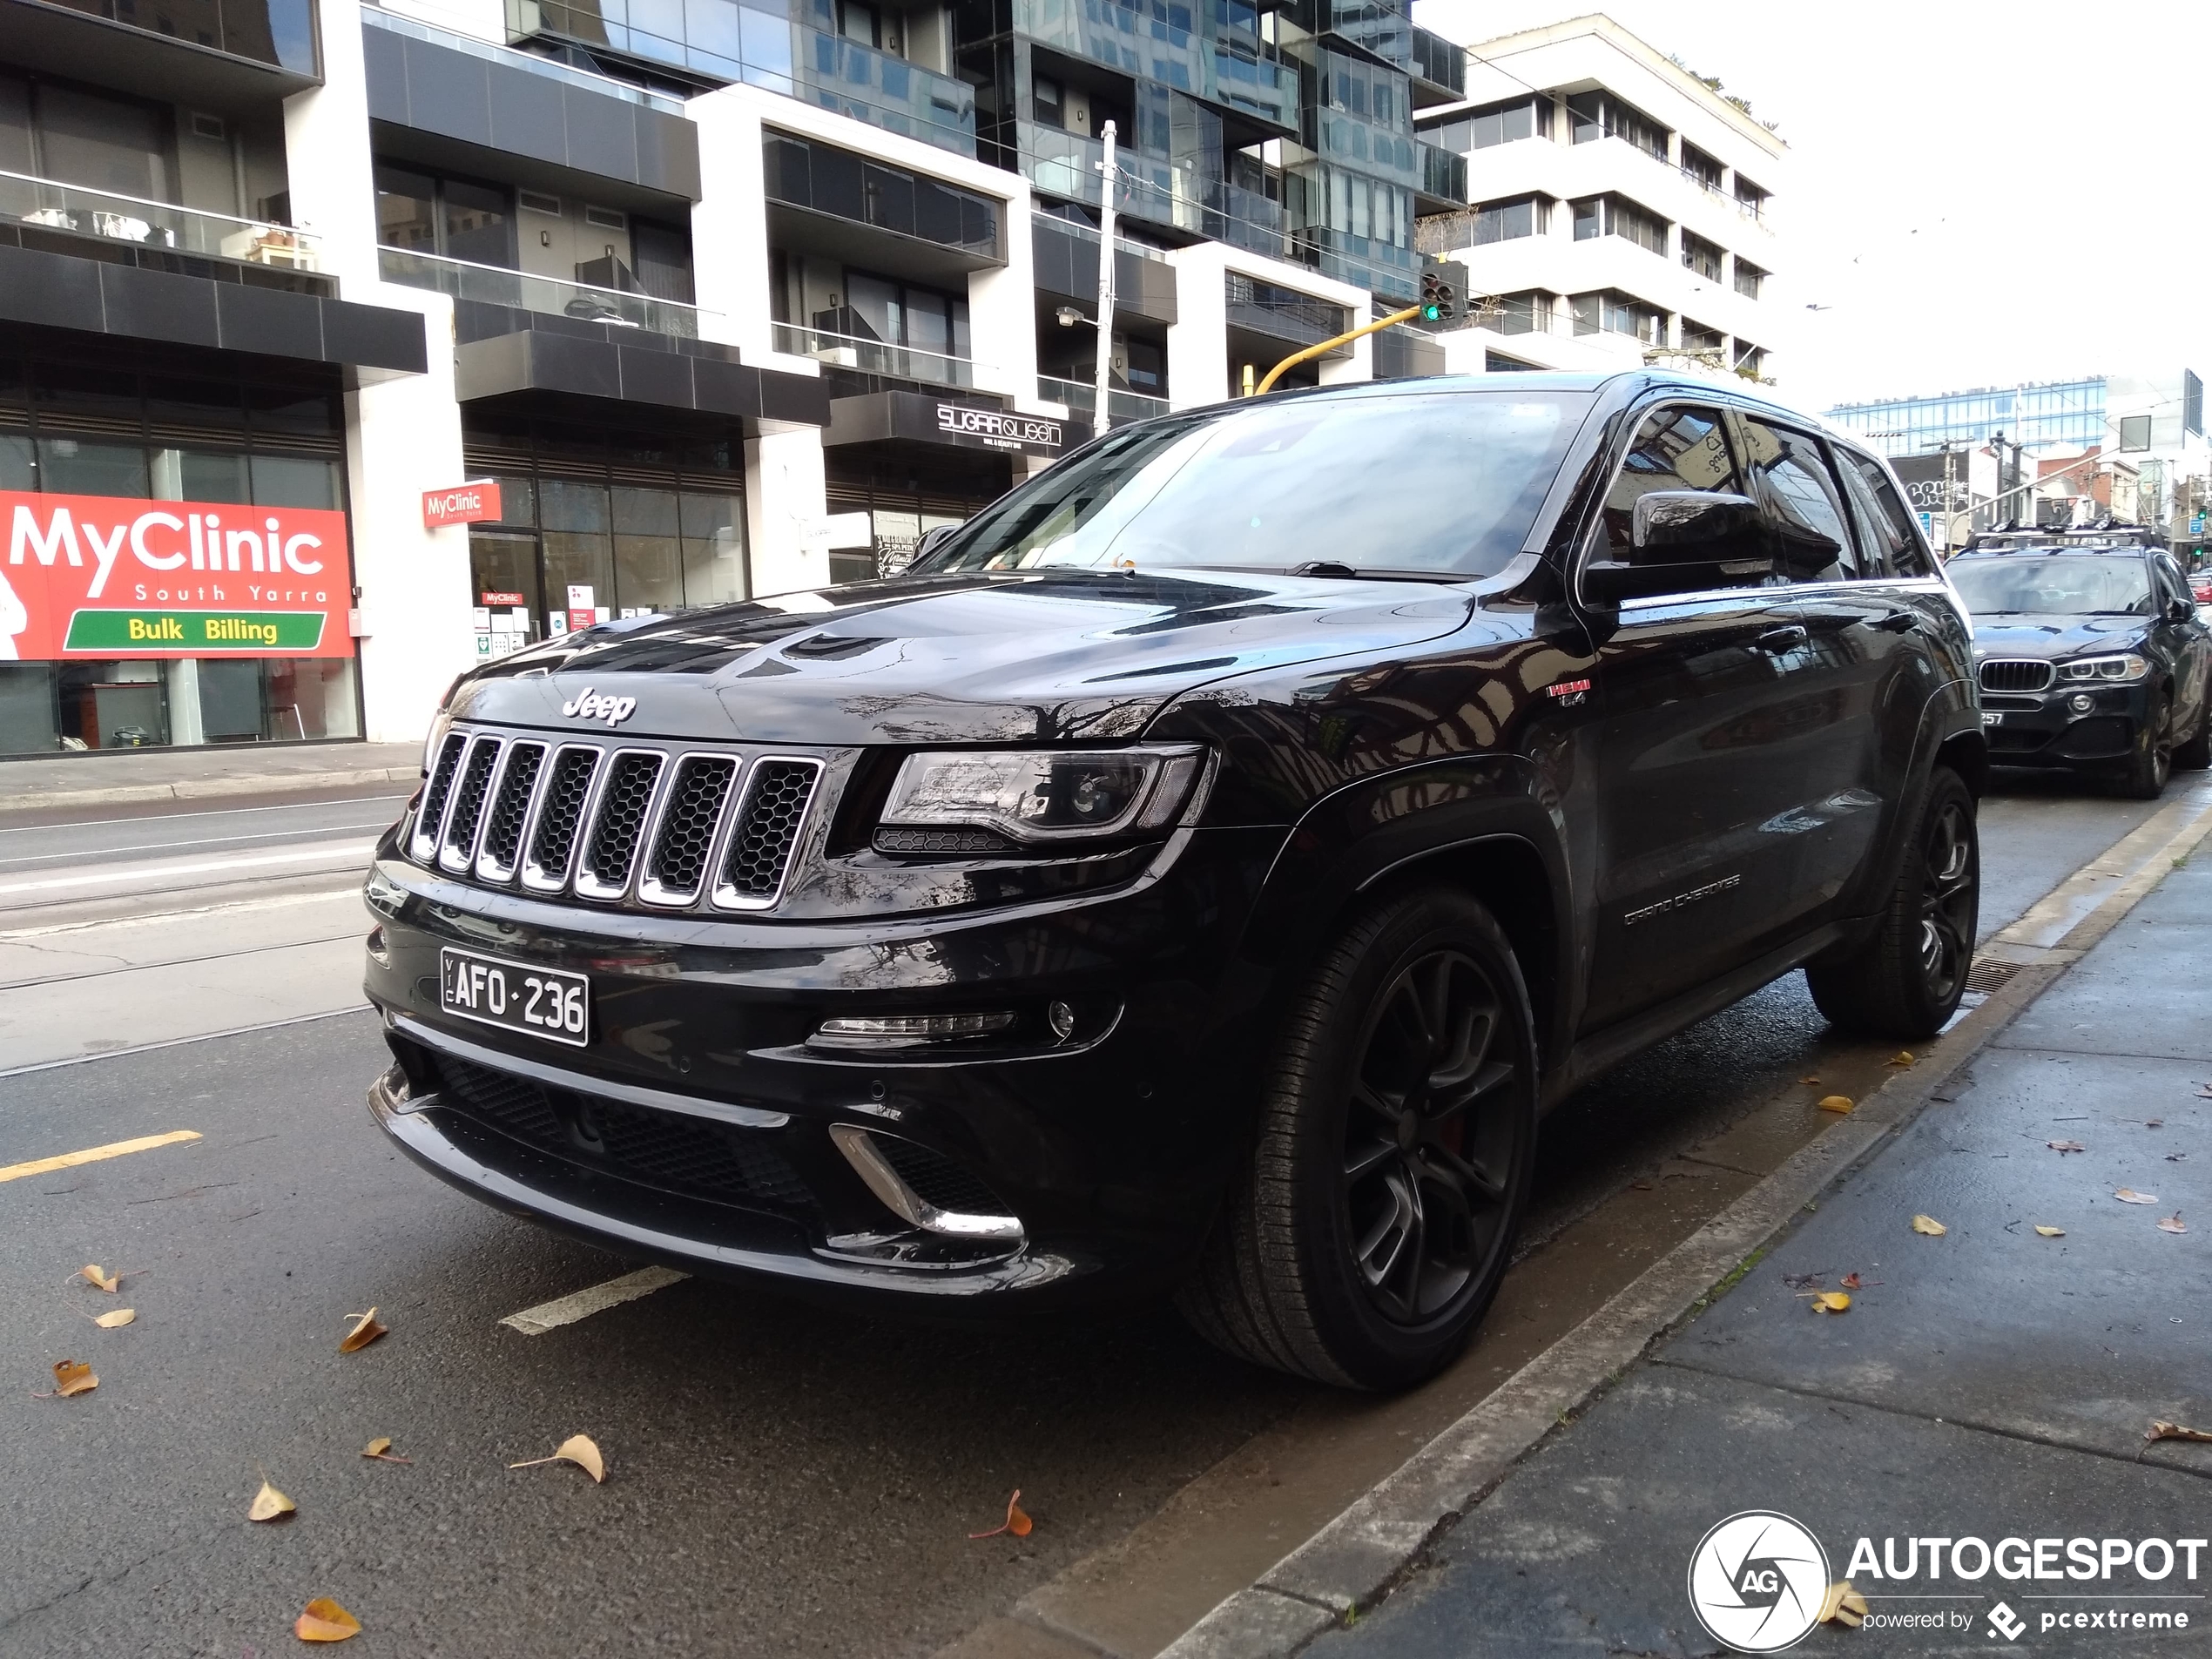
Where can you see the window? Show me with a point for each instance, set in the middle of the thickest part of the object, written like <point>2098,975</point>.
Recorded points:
<point>1698,337</point>
<point>1593,116</point>
<point>898,314</point>
<point>456,217</point>
<point>2134,432</point>
<point>1803,502</point>
<point>1703,170</point>
<point>1675,448</point>
<point>1701,256</point>
<point>1619,314</point>
<point>1524,313</point>
<point>1508,221</point>
<point>1526,117</point>
<point>1750,197</point>
<point>1596,216</point>
<point>1750,361</point>
<point>1046,99</point>
<point>1748,278</point>
<point>1883,519</point>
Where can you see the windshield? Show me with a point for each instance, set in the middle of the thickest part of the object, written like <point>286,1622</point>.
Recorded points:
<point>2055,583</point>
<point>1439,482</point>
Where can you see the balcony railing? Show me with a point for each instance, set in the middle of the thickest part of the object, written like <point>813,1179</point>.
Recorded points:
<point>873,356</point>
<point>1160,193</point>
<point>1440,62</point>
<point>1444,173</point>
<point>1081,398</point>
<point>279,33</point>
<point>1086,234</point>
<point>606,85</point>
<point>151,224</point>
<point>493,285</point>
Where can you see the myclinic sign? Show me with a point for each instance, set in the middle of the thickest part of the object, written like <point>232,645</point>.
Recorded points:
<point>96,575</point>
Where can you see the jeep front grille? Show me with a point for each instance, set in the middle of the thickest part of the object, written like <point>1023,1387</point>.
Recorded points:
<point>2015,674</point>
<point>662,826</point>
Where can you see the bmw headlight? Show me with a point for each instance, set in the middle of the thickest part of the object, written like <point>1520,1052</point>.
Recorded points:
<point>2129,667</point>
<point>1046,795</point>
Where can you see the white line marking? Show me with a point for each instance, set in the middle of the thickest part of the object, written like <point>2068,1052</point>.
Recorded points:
<point>361,850</point>
<point>178,1042</point>
<point>143,919</point>
<point>211,812</point>
<point>209,841</point>
<point>567,1310</point>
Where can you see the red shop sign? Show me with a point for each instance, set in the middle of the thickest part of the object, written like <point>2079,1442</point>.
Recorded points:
<point>469,503</point>
<point>99,575</point>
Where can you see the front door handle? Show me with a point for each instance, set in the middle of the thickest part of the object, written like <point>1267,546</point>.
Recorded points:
<point>1896,621</point>
<point>1778,640</point>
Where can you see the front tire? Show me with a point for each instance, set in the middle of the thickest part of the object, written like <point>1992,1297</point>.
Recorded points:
<point>2195,755</point>
<point>1908,979</point>
<point>2152,763</point>
<point>1369,1233</point>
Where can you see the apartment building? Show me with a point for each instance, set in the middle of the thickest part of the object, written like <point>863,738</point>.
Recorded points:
<point>1618,210</point>
<point>343,344</point>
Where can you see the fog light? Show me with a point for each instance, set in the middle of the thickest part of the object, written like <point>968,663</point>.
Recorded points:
<point>2081,701</point>
<point>1062,1018</point>
<point>916,1028</point>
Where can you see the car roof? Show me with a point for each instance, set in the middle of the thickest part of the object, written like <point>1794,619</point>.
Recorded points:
<point>1620,385</point>
<point>2048,545</point>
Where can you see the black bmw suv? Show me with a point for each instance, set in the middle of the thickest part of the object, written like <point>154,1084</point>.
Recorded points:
<point>2091,653</point>
<point>1201,871</point>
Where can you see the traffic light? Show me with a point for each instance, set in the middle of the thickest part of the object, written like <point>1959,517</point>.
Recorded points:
<point>1439,299</point>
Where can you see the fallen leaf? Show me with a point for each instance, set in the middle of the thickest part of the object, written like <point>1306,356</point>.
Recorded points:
<point>2177,1432</point>
<point>1832,1302</point>
<point>578,1449</point>
<point>73,1376</point>
<point>2066,1146</point>
<point>269,1503</point>
<point>1808,1080</point>
<point>2153,1123</point>
<point>1850,1281</point>
<point>2128,1195</point>
<point>2175,1158</point>
<point>1843,1605</point>
<point>365,1331</point>
<point>119,1318</point>
<point>1902,1057</point>
<point>2172,1223</point>
<point>2052,1232</point>
<point>93,1274</point>
<point>1017,1520</point>
<point>1835,1103</point>
<point>378,1446</point>
<point>325,1621</point>
<point>1929,1226</point>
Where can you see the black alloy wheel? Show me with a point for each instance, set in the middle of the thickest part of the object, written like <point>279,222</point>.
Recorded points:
<point>1424,1163</point>
<point>1949,900</point>
<point>2152,763</point>
<point>1907,979</point>
<point>1370,1229</point>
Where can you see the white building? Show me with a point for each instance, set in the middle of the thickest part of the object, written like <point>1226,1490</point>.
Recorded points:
<point>1621,212</point>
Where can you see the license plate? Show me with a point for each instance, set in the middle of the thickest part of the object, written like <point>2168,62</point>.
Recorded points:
<point>541,1001</point>
<point>1993,716</point>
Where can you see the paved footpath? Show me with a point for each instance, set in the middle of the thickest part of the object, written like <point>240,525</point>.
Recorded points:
<point>1994,1383</point>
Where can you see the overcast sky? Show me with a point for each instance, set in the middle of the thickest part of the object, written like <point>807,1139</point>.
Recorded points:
<point>1982,194</point>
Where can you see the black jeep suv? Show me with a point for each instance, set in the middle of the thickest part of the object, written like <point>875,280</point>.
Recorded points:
<point>2091,653</point>
<point>1199,871</point>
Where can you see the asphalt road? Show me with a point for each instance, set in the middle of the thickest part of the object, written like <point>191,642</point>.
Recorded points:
<point>781,1480</point>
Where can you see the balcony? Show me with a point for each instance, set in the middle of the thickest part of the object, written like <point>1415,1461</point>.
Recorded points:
<point>1443,185</point>
<point>866,356</point>
<point>491,284</point>
<point>1160,193</point>
<point>163,228</point>
<point>548,69</point>
<point>1082,399</point>
<point>220,50</point>
<point>765,45</point>
<point>1440,70</point>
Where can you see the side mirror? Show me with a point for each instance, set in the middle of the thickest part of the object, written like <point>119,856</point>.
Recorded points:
<point>931,541</point>
<point>1681,541</point>
<point>2180,611</point>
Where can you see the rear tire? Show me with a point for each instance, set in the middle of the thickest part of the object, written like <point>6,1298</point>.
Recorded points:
<point>1908,979</point>
<point>1368,1234</point>
<point>2153,761</point>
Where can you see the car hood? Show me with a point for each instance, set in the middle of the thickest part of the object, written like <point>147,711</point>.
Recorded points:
<point>2056,636</point>
<point>1041,656</point>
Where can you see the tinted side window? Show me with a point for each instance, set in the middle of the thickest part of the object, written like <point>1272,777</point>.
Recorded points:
<point>1803,500</point>
<point>1675,448</point>
<point>1875,532</point>
<point>1907,552</point>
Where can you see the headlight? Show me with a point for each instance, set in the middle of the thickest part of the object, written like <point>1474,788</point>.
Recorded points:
<point>1046,794</point>
<point>2130,667</point>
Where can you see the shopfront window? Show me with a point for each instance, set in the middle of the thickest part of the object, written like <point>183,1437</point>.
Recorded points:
<point>153,448</point>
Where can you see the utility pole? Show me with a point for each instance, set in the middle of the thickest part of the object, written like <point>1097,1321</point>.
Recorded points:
<point>1101,420</point>
<point>1949,502</point>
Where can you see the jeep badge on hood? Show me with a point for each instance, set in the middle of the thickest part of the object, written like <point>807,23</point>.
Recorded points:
<point>587,705</point>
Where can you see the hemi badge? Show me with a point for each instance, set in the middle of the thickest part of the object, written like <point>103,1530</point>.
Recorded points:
<point>1566,688</point>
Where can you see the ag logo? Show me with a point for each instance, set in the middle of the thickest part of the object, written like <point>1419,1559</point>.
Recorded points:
<point>1756,1582</point>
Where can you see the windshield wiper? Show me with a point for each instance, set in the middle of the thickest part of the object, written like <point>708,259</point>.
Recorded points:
<point>1333,568</point>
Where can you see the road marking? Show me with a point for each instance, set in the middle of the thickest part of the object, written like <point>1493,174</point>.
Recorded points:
<point>93,1155</point>
<point>361,850</point>
<point>567,1310</point>
<point>205,840</point>
<point>211,812</point>
<point>178,1042</point>
<point>351,889</point>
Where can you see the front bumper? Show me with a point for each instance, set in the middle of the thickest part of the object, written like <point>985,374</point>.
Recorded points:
<point>2043,729</point>
<point>695,1129</point>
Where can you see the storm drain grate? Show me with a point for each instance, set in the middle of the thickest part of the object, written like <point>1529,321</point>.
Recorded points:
<point>1990,973</point>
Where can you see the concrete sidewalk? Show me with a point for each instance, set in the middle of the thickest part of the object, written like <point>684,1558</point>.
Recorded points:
<point>226,772</point>
<point>1993,1383</point>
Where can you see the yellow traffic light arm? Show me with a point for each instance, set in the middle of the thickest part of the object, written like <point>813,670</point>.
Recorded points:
<point>1295,358</point>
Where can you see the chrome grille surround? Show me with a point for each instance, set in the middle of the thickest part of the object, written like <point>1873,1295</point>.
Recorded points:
<point>668,825</point>
<point>2016,674</point>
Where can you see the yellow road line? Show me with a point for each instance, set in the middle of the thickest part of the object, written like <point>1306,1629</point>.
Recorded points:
<point>94,1154</point>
